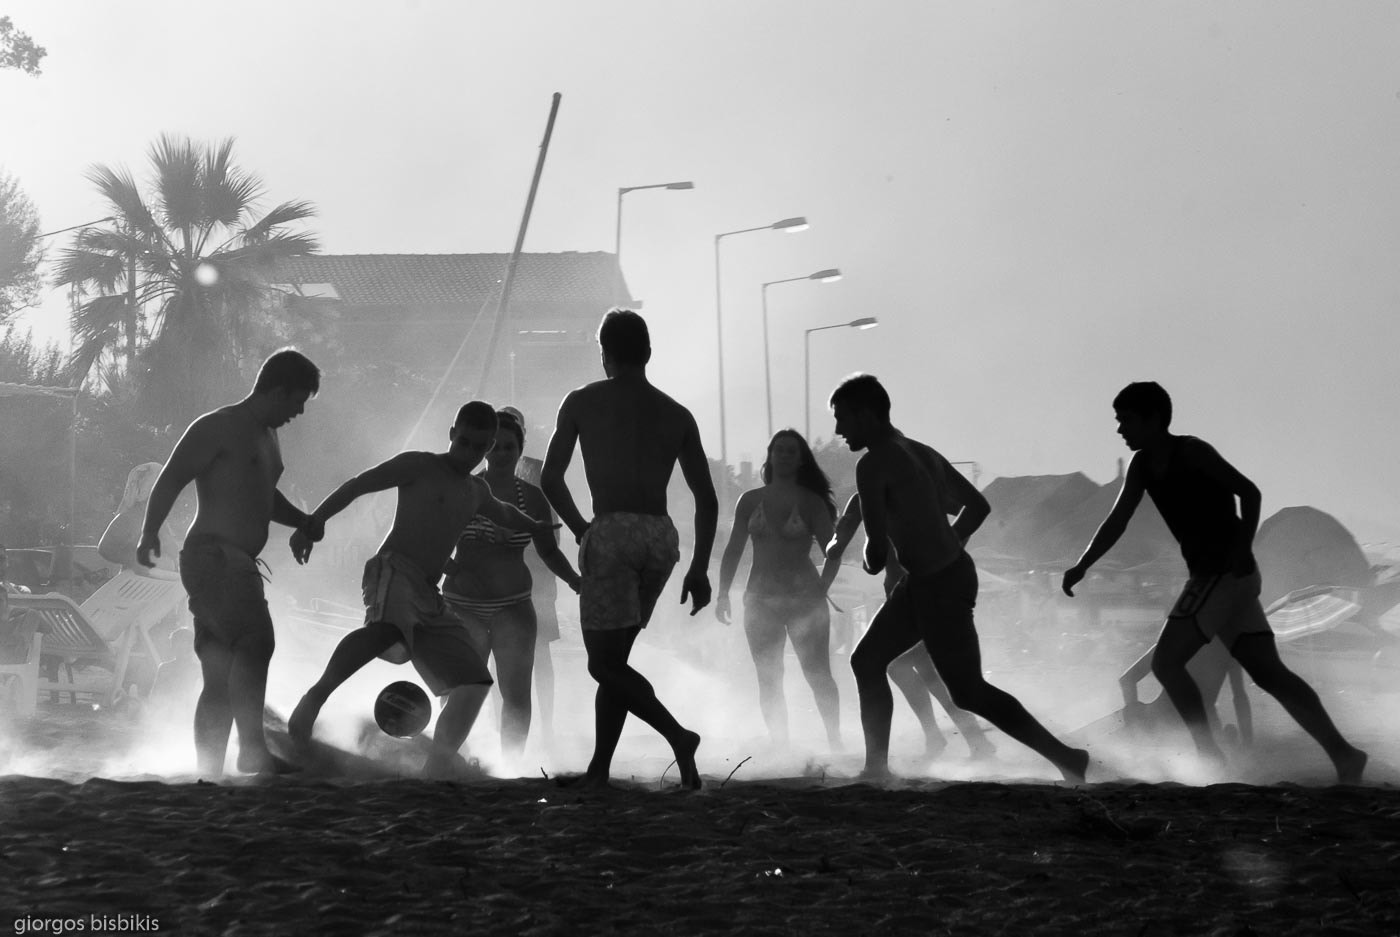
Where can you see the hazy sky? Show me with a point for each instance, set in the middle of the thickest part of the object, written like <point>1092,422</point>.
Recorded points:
<point>1040,201</point>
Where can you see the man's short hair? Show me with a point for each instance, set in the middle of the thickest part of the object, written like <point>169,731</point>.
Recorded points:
<point>288,369</point>
<point>862,392</point>
<point>624,337</point>
<point>478,414</point>
<point>1145,398</point>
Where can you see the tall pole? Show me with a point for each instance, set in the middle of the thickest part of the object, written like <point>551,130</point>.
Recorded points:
<point>719,336</point>
<point>767,368</point>
<point>807,384</point>
<point>503,304</point>
<point>617,230</point>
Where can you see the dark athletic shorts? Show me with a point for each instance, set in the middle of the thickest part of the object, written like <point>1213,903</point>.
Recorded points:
<point>225,587</point>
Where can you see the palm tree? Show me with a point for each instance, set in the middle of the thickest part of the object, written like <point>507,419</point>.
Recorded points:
<point>179,272</point>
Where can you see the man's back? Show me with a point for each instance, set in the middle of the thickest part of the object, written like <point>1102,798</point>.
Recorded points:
<point>919,499</point>
<point>631,435</point>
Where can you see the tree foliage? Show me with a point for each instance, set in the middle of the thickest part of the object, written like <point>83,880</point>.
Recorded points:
<point>173,289</point>
<point>18,50</point>
<point>21,250</point>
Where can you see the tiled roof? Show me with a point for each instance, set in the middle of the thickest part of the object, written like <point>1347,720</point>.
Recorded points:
<point>429,279</point>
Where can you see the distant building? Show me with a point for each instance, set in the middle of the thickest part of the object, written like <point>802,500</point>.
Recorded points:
<point>418,310</point>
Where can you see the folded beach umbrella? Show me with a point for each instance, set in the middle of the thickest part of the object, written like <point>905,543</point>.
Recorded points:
<point>1311,611</point>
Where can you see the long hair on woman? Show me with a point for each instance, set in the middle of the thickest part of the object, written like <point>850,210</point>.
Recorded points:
<point>809,473</point>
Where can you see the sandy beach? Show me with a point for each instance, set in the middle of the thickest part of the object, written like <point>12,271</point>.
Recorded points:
<point>797,855</point>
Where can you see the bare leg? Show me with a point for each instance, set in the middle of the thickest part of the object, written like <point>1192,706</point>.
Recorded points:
<point>944,610</point>
<point>356,649</point>
<point>972,733</point>
<point>213,714</point>
<point>454,724</point>
<point>811,639</point>
<point>622,690</point>
<point>1258,654</point>
<point>544,690</point>
<point>767,640</point>
<point>904,674</point>
<point>514,641</point>
<point>247,683</point>
<point>891,633</point>
<point>1178,643</point>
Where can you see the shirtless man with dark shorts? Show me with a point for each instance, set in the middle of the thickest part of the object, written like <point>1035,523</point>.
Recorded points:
<point>406,618</point>
<point>632,436</point>
<point>233,458</point>
<point>907,492</point>
<point>1195,490</point>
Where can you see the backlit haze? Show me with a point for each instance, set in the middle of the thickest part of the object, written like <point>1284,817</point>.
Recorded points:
<point>1040,202</point>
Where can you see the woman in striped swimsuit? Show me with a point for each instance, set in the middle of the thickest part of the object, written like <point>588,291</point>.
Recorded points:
<point>489,586</point>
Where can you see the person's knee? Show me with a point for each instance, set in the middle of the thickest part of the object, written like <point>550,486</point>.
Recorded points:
<point>868,664</point>
<point>1167,669</point>
<point>970,695</point>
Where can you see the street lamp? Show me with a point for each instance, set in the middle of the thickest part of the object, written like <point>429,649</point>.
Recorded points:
<point>866,323</point>
<point>617,235</point>
<point>821,276</point>
<point>790,225</point>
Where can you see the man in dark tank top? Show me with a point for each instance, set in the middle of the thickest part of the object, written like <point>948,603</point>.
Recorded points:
<point>1195,490</point>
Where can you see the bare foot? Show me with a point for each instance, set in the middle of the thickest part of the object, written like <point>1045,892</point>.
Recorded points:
<point>303,718</point>
<point>979,748</point>
<point>1350,766</point>
<point>685,760</point>
<point>934,745</point>
<point>1074,766</point>
<point>876,773</point>
<point>584,782</point>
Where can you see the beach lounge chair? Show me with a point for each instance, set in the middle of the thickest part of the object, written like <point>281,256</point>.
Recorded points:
<point>19,666</point>
<point>69,639</point>
<point>126,611</point>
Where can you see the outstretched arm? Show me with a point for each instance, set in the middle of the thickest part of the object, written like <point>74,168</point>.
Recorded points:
<point>508,515</point>
<point>841,538</point>
<point>556,462</point>
<point>194,453</point>
<point>696,470</point>
<point>1111,529</point>
<point>392,473</point>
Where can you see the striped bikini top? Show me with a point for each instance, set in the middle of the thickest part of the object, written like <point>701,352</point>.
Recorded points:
<point>485,531</point>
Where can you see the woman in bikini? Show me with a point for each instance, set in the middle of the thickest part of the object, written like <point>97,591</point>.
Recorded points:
<point>489,585</point>
<point>784,597</point>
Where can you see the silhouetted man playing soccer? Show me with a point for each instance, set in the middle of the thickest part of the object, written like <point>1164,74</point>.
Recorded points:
<point>907,492</point>
<point>632,436</point>
<point>1196,490</point>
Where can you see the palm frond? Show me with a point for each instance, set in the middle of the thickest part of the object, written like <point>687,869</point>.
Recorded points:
<point>177,165</point>
<point>121,192</point>
<point>266,253</point>
<point>228,191</point>
<point>103,271</point>
<point>96,326</point>
<point>284,214</point>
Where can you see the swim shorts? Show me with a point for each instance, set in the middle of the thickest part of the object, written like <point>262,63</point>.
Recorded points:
<point>624,561</point>
<point>225,587</point>
<point>1224,606</point>
<point>398,593</point>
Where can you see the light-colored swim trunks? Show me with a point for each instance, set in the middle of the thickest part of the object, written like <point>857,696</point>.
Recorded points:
<point>397,592</point>
<point>624,562</point>
<point>1224,606</point>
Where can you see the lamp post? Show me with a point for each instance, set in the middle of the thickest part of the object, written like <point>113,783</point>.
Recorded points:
<point>790,225</point>
<point>617,233</point>
<point>821,276</point>
<point>866,323</point>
